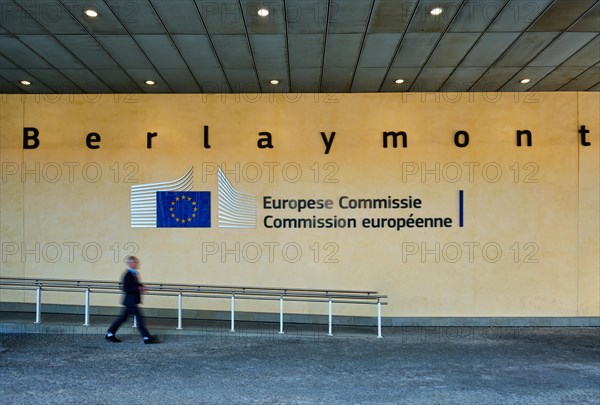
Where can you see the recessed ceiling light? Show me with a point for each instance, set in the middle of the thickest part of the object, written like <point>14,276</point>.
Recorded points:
<point>525,81</point>
<point>90,12</point>
<point>263,12</point>
<point>436,11</point>
<point>150,82</point>
<point>399,81</point>
<point>274,81</point>
<point>25,82</point>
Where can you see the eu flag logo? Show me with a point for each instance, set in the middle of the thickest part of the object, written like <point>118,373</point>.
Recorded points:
<point>183,209</point>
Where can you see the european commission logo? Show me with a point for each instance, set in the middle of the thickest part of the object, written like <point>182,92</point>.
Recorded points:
<point>173,204</point>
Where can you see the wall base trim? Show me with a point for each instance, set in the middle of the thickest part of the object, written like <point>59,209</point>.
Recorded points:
<point>505,321</point>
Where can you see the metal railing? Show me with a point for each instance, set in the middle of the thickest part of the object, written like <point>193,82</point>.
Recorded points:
<point>205,291</point>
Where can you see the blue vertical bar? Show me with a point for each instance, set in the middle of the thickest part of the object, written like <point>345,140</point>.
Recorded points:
<point>461,209</point>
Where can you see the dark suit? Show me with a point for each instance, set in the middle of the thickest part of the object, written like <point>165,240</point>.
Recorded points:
<point>133,297</point>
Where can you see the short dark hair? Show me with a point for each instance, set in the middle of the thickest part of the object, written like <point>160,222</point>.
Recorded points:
<point>131,258</point>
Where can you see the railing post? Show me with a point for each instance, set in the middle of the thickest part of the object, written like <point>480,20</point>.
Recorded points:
<point>281,315</point>
<point>134,322</point>
<point>379,318</point>
<point>86,321</point>
<point>232,313</point>
<point>38,304</point>
<point>330,333</point>
<point>179,309</point>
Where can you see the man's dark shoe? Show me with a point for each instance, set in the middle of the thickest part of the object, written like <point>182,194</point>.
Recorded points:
<point>113,339</point>
<point>151,340</point>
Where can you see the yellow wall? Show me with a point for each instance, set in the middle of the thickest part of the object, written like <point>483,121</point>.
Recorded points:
<point>541,209</point>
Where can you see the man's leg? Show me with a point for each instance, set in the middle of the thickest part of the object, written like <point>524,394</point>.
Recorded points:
<point>140,321</point>
<point>118,322</point>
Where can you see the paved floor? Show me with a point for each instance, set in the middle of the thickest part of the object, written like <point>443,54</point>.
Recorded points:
<point>410,365</point>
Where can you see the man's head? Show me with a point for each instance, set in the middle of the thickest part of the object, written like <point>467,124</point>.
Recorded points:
<point>132,262</point>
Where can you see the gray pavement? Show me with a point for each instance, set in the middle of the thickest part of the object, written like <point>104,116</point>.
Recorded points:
<point>256,365</point>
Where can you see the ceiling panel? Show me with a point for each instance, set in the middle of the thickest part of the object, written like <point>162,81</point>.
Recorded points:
<point>558,78</point>
<point>526,47</point>
<point>180,80</point>
<point>211,80</point>
<point>16,20</point>
<point>341,50</point>
<point>179,16</point>
<point>160,50</point>
<point>16,75</point>
<point>588,22</point>
<point>141,75</point>
<point>587,79</point>
<point>87,50</point>
<point>587,56</point>
<point>431,79</point>
<point>519,14</point>
<point>6,64</point>
<point>20,54</point>
<point>562,48</point>
<point>269,51</point>
<point>561,14</point>
<point>349,16</point>
<point>306,17</point>
<point>336,80</point>
<point>274,23</point>
<point>266,75</point>
<point>379,49</point>
<point>452,48</point>
<point>137,16</point>
<point>463,78</point>
<point>118,80</point>
<point>489,48</point>
<point>55,80</point>
<point>476,15</point>
<point>233,51</point>
<point>305,80</point>
<point>196,51</point>
<point>107,23</point>
<point>243,80</point>
<point>9,87</point>
<point>494,79</point>
<point>534,73</point>
<point>86,80</point>
<point>415,49</point>
<point>125,51</point>
<point>368,79</point>
<point>423,21</point>
<point>222,17</point>
<point>53,16</point>
<point>391,15</point>
<point>306,50</point>
<point>51,50</point>
<point>409,75</point>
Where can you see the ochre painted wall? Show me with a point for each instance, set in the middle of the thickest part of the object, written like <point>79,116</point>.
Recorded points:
<point>529,245</point>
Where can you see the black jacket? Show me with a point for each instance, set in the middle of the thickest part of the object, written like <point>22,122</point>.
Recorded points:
<point>131,287</point>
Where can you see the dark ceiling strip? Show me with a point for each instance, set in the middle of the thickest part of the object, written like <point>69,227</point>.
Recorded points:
<point>580,74</point>
<point>546,47</point>
<point>138,45</point>
<point>324,45</point>
<point>40,56</point>
<point>473,46</point>
<point>100,45</point>
<point>250,47</point>
<point>212,47</point>
<point>32,76</point>
<point>387,71</point>
<point>10,83</point>
<point>287,48</point>
<point>362,44</point>
<point>175,45</point>
<point>436,45</point>
<point>493,64</point>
